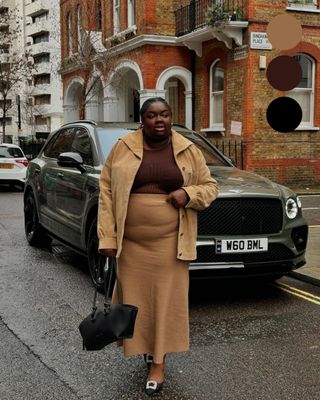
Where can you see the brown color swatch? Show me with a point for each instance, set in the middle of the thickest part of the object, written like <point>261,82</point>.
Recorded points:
<point>284,73</point>
<point>284,32</point>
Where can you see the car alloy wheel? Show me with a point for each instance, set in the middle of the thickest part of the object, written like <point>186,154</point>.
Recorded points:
<point>35,234</point>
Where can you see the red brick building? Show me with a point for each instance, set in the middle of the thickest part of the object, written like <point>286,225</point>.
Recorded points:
<point>214,76</point>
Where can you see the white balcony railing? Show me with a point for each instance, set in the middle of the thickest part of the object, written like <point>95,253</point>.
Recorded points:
<point>37,7</point>
<point>37,28</point>
<point>41,89</point>
<point>43,68</point>
<point>40,48</point>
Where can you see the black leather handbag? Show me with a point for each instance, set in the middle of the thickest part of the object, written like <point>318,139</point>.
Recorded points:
<point>110,323</point>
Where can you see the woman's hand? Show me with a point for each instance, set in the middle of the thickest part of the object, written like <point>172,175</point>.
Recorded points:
<point>108,252</point>
<point>179,198</point>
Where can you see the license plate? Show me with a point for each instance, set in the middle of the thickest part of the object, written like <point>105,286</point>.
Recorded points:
<point>6,166</point>
<point>241,245</point>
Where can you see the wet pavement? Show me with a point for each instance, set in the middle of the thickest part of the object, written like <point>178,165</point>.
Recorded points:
<point>310,197</point>
<point>248,342</point>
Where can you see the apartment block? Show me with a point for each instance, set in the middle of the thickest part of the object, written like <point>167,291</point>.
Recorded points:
<point>37,25</point>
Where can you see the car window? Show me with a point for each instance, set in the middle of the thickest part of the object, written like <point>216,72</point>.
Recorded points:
<point>60,143</point>
<point>81,145</point>
<point>10,152</point>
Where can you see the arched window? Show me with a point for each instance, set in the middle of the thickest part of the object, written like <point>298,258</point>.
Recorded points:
<point>69,33</point>
<point>216,95</point>
<point>131,14</point>
<point>116,16</point>
<point>303,93</point>
<point>79,26</point>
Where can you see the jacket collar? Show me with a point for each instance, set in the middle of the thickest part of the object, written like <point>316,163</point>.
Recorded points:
<point>134,140</point>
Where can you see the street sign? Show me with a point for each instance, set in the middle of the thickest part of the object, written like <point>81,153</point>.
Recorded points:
<point>259,40</point>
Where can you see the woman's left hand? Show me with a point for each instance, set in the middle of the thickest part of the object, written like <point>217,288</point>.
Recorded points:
<point>178,198</point>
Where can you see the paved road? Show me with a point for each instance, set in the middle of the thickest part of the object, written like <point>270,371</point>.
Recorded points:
<point>248,342</point>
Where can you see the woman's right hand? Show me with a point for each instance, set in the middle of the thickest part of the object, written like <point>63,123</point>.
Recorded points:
<point>108,252</point>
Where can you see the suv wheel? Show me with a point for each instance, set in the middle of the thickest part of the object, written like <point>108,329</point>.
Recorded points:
<point>35,234</point>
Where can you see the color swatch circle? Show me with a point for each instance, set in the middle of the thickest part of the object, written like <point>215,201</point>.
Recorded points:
<point>284,114</point>
<point>284,73</point>
<point>284,32</point>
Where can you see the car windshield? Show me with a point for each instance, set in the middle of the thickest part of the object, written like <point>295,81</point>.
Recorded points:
<point>212,157</point>
<point>107,138</point>
<point>10,152</point>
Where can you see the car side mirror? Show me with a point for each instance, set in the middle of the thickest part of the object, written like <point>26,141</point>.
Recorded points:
<point>71,160</point>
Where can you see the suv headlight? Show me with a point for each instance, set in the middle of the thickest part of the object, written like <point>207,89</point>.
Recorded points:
<point>292,208</point>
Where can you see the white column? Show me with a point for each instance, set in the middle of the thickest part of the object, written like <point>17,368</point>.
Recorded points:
<point>188,106</point>
<point>70,112</point>
<point>92,110</point>
<point>110,109</point>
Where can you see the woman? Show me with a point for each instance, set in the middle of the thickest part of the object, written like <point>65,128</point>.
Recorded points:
<point>152,184</point>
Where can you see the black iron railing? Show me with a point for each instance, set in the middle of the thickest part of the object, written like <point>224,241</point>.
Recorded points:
<point>194,15</point>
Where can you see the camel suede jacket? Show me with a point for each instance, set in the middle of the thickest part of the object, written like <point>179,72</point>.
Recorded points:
<point>116,180</point>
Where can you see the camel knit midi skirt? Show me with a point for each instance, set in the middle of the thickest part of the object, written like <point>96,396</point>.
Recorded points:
<point>153,279</point>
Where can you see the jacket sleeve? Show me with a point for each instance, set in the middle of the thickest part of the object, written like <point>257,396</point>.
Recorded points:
<point>202,194</point>
<point>106,227</point>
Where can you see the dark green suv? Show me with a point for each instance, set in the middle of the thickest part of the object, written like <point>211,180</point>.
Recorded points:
<point>255,227</point>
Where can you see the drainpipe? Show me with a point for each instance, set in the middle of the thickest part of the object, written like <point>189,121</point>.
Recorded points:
<point>193,85</point>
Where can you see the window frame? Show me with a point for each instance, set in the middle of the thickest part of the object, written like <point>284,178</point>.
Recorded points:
<point>310,123</point>
<point>131,13</point>
<point>215,125</point>
<point>79,26</point>
<point>69,34</point>
<point>116,16</point>
<point>298,4</point>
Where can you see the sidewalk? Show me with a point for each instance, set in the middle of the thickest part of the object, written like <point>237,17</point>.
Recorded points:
<point>311,271</point>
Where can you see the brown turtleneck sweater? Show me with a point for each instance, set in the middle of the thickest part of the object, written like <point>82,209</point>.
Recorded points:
<point>158,172</point>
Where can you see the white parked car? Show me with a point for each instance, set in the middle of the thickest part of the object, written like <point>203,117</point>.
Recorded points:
<point>13,165</point>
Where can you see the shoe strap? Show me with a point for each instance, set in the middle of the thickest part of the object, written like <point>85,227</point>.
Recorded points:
<point>149,358</point>
<point>151,385</point>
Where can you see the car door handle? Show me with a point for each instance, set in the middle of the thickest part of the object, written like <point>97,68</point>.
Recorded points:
<point>60,175</point>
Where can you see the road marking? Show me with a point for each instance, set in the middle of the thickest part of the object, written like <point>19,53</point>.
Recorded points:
<point>314,226</point>
<point>310,208</point>
<point>299,293</point>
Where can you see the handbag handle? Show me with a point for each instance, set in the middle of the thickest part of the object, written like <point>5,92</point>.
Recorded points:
<point>110,264</point>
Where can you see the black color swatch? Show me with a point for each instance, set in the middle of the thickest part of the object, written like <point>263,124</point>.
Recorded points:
<point>284,114</point>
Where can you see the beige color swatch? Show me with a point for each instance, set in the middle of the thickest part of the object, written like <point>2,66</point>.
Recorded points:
<point>284,32</point>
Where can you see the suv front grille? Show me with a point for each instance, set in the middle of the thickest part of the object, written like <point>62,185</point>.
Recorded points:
<point>243,216</point>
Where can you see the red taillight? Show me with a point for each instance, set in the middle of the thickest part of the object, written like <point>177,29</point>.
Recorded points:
<point>24,162</point>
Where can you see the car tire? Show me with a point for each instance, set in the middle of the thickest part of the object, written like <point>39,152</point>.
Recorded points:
<point>35,234</point>
<point>96,262</point>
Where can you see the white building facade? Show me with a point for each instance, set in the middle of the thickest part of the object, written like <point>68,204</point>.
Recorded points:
<point>38,24</point>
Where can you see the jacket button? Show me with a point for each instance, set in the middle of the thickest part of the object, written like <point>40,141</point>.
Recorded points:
<point>181,234</point>
<point>183,168</point>
<point>180,254</point>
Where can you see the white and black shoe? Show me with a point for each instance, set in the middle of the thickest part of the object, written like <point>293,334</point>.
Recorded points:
<point>153,387</point>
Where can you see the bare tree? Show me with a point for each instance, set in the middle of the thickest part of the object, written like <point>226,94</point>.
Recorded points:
<point>15,66</point>
<point>30,111</point>
<point>87,54</point>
